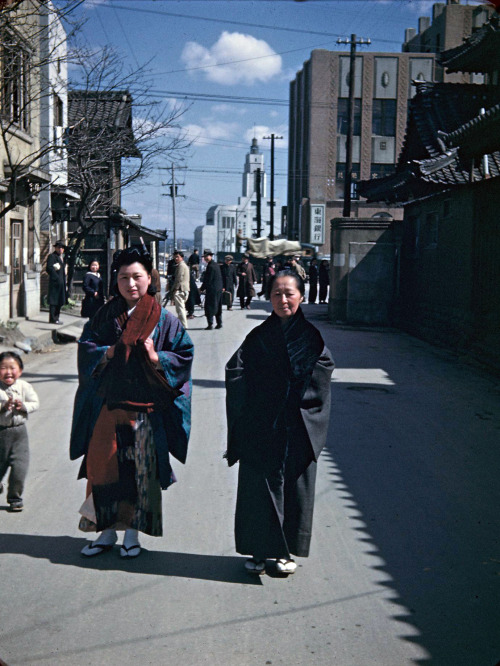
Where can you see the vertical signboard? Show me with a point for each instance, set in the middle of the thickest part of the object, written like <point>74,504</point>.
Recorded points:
<point>317,226</point>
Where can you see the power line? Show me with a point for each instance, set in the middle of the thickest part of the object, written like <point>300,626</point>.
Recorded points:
<point>274,28</point>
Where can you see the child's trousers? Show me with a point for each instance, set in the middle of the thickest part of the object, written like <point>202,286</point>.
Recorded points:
<point>14,453</point>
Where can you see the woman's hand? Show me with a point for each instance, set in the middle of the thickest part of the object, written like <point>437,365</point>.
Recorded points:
<point>150,349</point>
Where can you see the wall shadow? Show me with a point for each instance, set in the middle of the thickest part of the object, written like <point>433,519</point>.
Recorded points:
<point>417,465</point>
<point>65,550</point>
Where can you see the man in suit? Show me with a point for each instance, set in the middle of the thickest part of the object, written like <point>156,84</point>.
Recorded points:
<point>57,282</point>
<point>229,281</point>
<point>246,274</point>
<point>180,288</point>
<point>212,287</point>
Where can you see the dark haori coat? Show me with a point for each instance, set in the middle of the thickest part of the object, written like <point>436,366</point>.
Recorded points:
<point>278,408</point>
<point>247,277</point>
<point>92,284</point>
<point>57,279</point>
<point>129,389</point>
<point>313,283</point>
<point>229,281</point>
<point>212,286</point>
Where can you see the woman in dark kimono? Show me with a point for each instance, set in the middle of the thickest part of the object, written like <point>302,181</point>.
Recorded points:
<point>132,409</point>
<point>324,280</point>
<point>93,289</point>
<point>278,406</point>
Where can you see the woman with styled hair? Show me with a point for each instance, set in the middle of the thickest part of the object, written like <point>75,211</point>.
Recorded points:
<point>132,408</point>
<point>278,408</point>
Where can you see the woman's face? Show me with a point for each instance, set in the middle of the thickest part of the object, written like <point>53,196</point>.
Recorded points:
<point>94,266</point>
<point>285,297</point>
<point>133,282</point>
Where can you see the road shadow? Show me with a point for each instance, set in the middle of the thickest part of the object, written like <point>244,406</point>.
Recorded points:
<point>209,383</point>
<point>416,470</point>
<point>39,378</point>
<point>65,550</point>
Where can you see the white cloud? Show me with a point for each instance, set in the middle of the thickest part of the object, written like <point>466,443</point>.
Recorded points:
<point>210,131</point>
<point>234,58</point>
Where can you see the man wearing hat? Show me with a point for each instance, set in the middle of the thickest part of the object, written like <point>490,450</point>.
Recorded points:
<point>212,288</point>
<point>229,280</point>
<point>57,282</point>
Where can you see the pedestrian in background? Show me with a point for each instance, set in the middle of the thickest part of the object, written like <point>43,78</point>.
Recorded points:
<point>57,282</point>
<point>324,280</point>
<point>267,274</point>
<point>229,281</point>
<point>278,407</point>
<point>294,266</point>
<point>194,298</point>
<point>17,399</point>
<point>313,281</point>
<point>132,409</point>
<point>194,263</point>
<point>156,284</point>
<point>211,286</point>
<point>93,288</point>
<point>180,287</point>
<point>247,278</point>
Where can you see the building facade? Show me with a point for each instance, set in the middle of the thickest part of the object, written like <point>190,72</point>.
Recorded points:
<point>318,131</point>
<point>22,174</point>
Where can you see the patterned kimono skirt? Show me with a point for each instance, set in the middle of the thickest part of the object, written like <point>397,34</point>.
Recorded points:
<point>123,489</point>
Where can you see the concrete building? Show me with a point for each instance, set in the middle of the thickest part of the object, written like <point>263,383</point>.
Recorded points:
<point>383,86</point>
<point>226,220</point>
<point>448,26</point>
<point>318,132</point>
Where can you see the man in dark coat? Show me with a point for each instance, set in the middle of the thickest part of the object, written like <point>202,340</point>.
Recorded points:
<point>212,288</point>
<point>229,281</point>
<point>194,263</point>
<point>246,274</point>
<point>57,282</point>
<point>313,281</point>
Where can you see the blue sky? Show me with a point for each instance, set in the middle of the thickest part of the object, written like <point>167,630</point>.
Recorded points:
<point>231,49</point>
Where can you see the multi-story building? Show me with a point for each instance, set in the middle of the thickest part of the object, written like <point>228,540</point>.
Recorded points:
<point>56,198</point>
<point>21,148</point>
<point>242,218</point>
<point>383,86</point>
<point>318,132</point>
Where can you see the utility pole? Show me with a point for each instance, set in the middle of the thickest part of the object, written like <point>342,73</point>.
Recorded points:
<point>258,211</point>
<point>350,126</point>
<point>271,218</point>
<point>173,194</point>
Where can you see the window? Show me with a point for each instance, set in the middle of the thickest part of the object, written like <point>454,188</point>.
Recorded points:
<point>58,111</point>
<point>31,237</point>
<point>15,75</point>
<point>384,117</point>
<point>343,116</point>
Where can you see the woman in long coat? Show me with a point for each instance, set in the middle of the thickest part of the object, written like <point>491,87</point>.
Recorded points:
<point>324,280</point>
<point>93,289</point>
<point>211,286</point>
<point>278,405</point>
<point>132,409</point>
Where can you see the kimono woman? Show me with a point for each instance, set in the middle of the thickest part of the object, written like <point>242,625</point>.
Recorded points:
<point>278,406</point>
<point>132,409</point>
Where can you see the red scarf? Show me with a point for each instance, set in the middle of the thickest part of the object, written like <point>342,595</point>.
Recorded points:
<point>131,381</point>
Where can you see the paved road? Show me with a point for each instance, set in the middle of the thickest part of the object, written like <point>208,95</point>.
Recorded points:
<point>405,559</point>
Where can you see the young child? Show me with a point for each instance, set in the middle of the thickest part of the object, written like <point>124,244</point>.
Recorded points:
<point>17,400</point>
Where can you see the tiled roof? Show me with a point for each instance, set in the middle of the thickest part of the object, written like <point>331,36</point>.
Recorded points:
<point>479,53</point>
<point>445,131</point>
<point>103,109</point>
